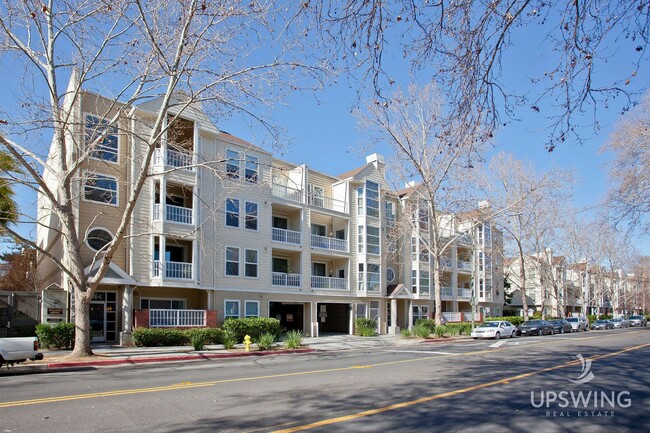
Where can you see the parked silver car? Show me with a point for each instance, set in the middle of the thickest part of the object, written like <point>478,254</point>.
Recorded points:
<point>620,323</point>
<point>578,324</point>
<point>637,321</point>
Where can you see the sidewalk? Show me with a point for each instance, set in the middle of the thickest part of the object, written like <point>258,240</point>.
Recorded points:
<point>106,355</point>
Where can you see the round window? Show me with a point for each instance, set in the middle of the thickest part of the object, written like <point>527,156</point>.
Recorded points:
<point>97,239</point>
<point>390,274</point>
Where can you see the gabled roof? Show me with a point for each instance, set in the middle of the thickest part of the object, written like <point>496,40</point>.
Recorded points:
<point>399,291</point>
<point>352,173</point>
<point>114,275</point>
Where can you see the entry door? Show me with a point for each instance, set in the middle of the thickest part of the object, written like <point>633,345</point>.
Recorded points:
<point>97,322</point>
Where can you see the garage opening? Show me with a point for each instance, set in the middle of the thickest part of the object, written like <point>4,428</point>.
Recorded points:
<point>333,318</point>
<point>291,316</point>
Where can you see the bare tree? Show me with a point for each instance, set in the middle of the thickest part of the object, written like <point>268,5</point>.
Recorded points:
<point>224,56</point>
<point>628,198</point>
<point>463,46</point>
<point>435,150</point>
<point>531,200</point>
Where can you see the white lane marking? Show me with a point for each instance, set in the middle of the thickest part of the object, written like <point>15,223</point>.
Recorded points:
<point>497,344</point>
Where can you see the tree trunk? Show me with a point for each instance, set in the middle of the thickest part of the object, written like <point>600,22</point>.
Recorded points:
<point>522,280</point>
<point>82,324</point>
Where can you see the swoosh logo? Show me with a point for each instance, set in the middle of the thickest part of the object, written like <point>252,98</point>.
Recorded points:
<point>586,375</point>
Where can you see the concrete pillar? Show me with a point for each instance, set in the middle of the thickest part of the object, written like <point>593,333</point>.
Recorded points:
<point>394,329</point>
<point>409,305</point>
<point>127,316</point>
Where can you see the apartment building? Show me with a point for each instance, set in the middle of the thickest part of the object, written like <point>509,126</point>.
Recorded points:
<point>224,229</point>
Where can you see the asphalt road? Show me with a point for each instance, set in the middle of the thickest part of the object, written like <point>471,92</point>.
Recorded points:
<point>524,384</point>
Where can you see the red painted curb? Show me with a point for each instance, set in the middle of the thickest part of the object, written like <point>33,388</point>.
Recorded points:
<point>109,362</point>
<point>446,340</point>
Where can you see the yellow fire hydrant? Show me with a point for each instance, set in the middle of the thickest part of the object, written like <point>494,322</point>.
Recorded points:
<point>247,343</point>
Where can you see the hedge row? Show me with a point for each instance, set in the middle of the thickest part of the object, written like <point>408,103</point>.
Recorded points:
<point>236,327</point>
<point>59,336</point>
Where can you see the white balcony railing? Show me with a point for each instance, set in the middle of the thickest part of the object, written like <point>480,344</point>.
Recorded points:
<point>466,266</point>
<point>286,280</point>
<point>177,214</point>
<point>333,283</point>
<point>286,236</point>
<point>176,270</point>
<point>327,243</point>
<point>452,316</point>
<point>174,159</point>
<point>447,292</point>
<point>328,203</point>
<point>287,193</point>
<point>176,318</point>
<point>446,262</point>
<point>465,293</point>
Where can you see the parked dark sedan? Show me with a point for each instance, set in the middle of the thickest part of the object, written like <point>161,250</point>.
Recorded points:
<point>560,326</point>
<point>602,324</point>
<point>535,327</point>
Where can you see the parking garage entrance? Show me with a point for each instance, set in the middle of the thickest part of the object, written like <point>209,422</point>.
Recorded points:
<point>333,318</point>
<point>291,316</point>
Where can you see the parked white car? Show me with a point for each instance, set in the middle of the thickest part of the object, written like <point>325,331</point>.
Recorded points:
<point>495,329</point>
<point>578,323</point>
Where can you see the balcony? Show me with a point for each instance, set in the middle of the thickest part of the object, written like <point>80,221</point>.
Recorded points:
<point>328,243</point>
<point>327,203</point>
<point>465,293</point>
<point>286,236</point>
<point>447,292</point>
<point>174,270</point>
<point>446,262</point>
<point>331,283</point>
<point>176,214</point>
<point>285,280</point>
<point>287,193</point>
<point>464,266</point>
<point>174,158</point>
<point>176,318</point>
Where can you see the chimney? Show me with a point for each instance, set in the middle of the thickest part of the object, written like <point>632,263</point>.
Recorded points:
<point>375,158</point>
<point>410,184</point>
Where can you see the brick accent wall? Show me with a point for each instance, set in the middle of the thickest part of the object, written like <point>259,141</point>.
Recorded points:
<point>141,318</point>
<point>211,318</point>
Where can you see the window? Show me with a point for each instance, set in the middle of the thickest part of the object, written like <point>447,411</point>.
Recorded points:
<point>250,264</point>
<point>361,310</point>
<point>390,275</point>
<point>423,215</point>
<point>374,310</point>
<point>372,199</point>
<point>372,240</point>
<point>316,195</point>
<point>360,202</point>
<point>420,312</point>
<point>360,239</point>
<point>251,216</point>
<point>162,304</point>
<point>251,169</point>
<point>232,212</point>
<point>97,239</point>
<point>424,282</point>
<point>414,281</point>
<point>232,164</point>
<point>361,276</point>
<point>106,149</point>
<point>390,213</point>
<point>373,277</point>
<point>231,309</point>
<point>232,261</point>
<point>101,189</point>
<point>251,309</point>
<point>414,248</point>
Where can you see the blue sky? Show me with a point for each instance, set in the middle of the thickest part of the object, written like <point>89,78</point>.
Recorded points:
<point>322,132</point>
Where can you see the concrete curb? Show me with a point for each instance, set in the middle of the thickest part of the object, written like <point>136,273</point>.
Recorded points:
<point>446,340</point>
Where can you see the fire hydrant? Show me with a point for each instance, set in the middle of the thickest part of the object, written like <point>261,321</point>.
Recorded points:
<point>247,343</point>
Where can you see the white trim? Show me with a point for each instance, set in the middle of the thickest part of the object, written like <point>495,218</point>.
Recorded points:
<point>225,309</point>
<point>117,136</point>
<point>89,229</point>
<point>225,261</point>
<point>256,264</point>
<point>117,189</point>
<point>150,298</point>
<point>246,301</point>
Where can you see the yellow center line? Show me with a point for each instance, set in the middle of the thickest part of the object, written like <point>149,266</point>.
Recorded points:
<point>430,398</point>
<point>189,385</point>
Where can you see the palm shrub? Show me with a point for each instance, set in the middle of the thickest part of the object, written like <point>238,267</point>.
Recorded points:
<point>365,327</point>
<point>422,330</point>
<point>228,340</point>
<point>198,341</point>
<point>465,328</point>
<point>430,324</point>
<point>441,331</point>
<point>293,339</point>
<point>454,329</point>
<point>406,333</point>
<point>266,340</point>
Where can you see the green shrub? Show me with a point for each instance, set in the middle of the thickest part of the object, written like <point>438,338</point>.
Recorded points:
<point>441,331</point>
<point>197,341</point>
<point>228,340</point>
<point>465,328</point>
<point>209,335</point>
<point>59,336</point>
<point>453,329</point>
<point>421,330</point>
<point>430,324</point>
<point>152,337</point>
<point>253,326</point>
<point>266,340</point>
<point>515,320</point>
<point>293,339</point>
<point>365,327</point>
<point>406,333</point>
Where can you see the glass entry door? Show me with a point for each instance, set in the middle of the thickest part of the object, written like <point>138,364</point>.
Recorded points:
<point>97,322</point>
